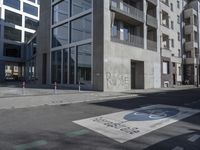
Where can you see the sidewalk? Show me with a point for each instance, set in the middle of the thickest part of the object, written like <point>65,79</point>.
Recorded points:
<point>41,97</point>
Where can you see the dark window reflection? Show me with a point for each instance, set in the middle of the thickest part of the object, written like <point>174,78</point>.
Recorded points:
<point>72,64</point>
<point>84,64</point>
<point>65,66</point>
<point>56,66</point>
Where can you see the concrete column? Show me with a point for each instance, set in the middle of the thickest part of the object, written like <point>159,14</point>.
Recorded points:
<point>159,18</point>
<point>145,26</point>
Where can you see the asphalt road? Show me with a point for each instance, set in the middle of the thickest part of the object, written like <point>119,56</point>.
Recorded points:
<point>52,127</point>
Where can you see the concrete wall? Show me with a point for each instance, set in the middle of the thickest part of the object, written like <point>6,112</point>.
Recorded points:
<point>117,61</point>
<point>43,40</point>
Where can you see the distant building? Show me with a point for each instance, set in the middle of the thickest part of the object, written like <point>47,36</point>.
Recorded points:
<point>19,21</point>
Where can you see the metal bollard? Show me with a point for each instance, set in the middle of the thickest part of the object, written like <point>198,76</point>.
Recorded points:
<point>23,88</point>
<point>79,86</point>
<point>55,88</point>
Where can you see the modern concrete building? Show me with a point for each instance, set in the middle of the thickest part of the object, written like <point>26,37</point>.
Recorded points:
<point>116,45</point>
<point>107,45</point>
<point>192,41</point>
<point>19,21</point>
<point>171,41</point>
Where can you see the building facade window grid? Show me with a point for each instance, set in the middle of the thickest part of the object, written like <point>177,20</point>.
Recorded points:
<point>19,60</point>
<point>71,46</point>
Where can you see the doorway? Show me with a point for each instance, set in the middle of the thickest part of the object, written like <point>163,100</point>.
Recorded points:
<point>137,74</point>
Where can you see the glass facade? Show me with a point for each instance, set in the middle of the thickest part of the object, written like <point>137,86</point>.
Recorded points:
<point>11,50</point>
<point>12,34</point>
<point>81,29</point>
<point>78,6</point>
<point>12,3</point>
<point>71,42</point>
<point>56,66</point>
<point>84,63</point>
<point>31,23</point>
<point>14,18</point>
<point>30,9</point>
<point>60,35</point>
<point>61,11</point>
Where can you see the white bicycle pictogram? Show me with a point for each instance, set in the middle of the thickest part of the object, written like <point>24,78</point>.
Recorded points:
<point>153,114</point>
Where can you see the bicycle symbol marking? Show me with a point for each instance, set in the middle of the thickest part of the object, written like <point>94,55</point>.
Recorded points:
<point>151,114</point>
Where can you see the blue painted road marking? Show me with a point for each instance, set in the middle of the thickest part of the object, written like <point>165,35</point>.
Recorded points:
<point>34,144</point>
<point>77,133</point>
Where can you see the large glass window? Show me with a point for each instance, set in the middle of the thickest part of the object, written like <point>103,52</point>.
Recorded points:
<point>11,50</point>
<point>60,35</point>
<point>56,66</point>
<point>31,23</point>
<point>65,66</point>
<point>61,11</point>
<point>72,65</point>
<point>79,6</point>
<point>12,3</point>
<point>12,17</point>
<point>28,36</point>
<point>12,34</point>
<point>81,29</point>
<point>84,64</point>
<point>30,9</point>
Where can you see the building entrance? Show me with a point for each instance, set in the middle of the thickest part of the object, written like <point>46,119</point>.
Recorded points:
<point>137,75</point>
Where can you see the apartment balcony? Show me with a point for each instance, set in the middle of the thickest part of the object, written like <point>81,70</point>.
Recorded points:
<point>152,45</point>
<point>190,61</point>
<point>166,2</point>
<point>152,21</point>
<point>191,45</point>
<point>127,11</point>
<point>133,40</point>
<point>190,12</point>
<point>190,29</point>
<point>153,2</point>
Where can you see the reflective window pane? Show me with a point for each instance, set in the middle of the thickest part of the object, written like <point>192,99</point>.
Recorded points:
<point>56,66</point>
<point>12,3</point>
<point>65,66</point>
<point>81,29</point>
<point>72,65</point>
<point>61,11</point>
<point>79,6</point>
<point>13,18</point>
<point>11,50</point>
<point>28,36</point>
<point>60,35</point>
<point>12,34</point>
<point>30,9</point>
<point>31,23</point>
<point>84,64</point>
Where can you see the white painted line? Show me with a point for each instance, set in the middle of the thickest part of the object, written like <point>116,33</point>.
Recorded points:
<point>178,148</point>
<point>127,125</point>
<point>194,138</point>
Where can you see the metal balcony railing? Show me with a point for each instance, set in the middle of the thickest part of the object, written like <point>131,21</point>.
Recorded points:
<point>151,45</point>
<point>153,1</point>
<point>152,21</point>
<point>128,10</point>
<point>133,40</point>
<point>166,2</point>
